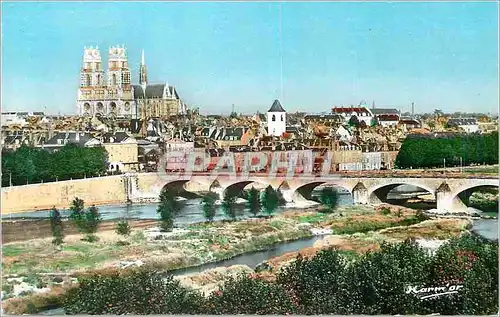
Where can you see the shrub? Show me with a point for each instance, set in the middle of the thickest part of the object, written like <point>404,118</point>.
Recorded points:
<point>123,228</point>
<point>136,292</point>
<point>247,295</point>
<point>472,262</point>
<point>56,226</point>
<point>318,285</point>
<point>379,280</point>
<point>385,211</point>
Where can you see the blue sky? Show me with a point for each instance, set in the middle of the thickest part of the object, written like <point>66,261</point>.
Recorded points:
<point>438,55</point>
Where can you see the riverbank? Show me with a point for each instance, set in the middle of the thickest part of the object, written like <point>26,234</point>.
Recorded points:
<point>194,245</point>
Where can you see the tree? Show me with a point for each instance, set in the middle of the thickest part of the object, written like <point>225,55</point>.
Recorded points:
<point>373,122</point>
<point>354,121</point>
<point>254,201</point>
<point>270,200</point>
<point>56,226</point>
<point>228,202</point>
<point>209,208</point>
<point>77,213</point>
<point>91,223</point>
<point>166,209</point>
<point>329,198</point>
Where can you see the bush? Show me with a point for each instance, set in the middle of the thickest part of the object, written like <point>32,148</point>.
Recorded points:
<point>92,221</point>
<point>137,292</point>
<point>385,211</point>
<point>56,226</point>
<point>123,228</point>
<point>247,295</point>
<point>77,213</point>
<point>472,262</point>
<point>317,286</point>
<point>379,280</point>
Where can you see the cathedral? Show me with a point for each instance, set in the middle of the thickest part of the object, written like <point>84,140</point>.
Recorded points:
<point>111,94</point>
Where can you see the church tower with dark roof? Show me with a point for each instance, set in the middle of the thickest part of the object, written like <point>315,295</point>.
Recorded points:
<point>276,119</point>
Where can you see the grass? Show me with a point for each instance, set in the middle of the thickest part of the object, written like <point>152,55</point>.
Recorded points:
<point>11,250</point>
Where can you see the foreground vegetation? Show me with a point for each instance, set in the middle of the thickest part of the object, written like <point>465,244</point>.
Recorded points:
<point>329,283</point>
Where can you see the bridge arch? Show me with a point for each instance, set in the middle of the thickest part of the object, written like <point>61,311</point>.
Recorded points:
<point>463,194</point>
<point>378,193</point>
<point>184,188</point>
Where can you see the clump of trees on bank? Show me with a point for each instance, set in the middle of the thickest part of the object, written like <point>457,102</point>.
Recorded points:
<point>381,282</point>
<point>34,165</point>
<point>465,149</point>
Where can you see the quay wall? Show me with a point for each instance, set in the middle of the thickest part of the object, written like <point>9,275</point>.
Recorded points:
<point>34,197</point>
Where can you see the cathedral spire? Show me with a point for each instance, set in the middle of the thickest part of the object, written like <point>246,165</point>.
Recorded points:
<point>143,77</point>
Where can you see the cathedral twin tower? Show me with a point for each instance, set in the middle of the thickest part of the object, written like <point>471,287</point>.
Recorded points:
<point>111,94</point>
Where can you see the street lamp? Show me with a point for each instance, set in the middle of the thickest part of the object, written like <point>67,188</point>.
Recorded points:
<point>461,165</point>
<point>444,163</point>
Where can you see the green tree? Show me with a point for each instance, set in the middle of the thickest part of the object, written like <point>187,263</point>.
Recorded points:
<point>166,209</point>
<point>354,121</point>
<point>92,220</point>
<point>228,204</point>
<point>253,201</point>
<point>329,198</point>
<point>77,216</point>
<point>270,200</point>
<point>247,295</point>
<point>56,226</point>
<point>373,122</point>
<point>209,208</point>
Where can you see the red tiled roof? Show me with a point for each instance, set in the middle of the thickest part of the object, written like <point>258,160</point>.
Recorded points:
<point>350,110</point>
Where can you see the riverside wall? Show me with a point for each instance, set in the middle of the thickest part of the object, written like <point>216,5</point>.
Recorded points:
<point>34,197</point>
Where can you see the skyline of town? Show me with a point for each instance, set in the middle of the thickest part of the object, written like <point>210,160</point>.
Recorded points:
<point>435,64</point>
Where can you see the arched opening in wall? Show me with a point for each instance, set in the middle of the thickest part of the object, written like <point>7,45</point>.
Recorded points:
<point>317,191</point>
<point>406,195</point>
<point>86,107</point>
<point>100,109</point>
<point>178,189</point>
<point>113,79</point>
<point>88,81</point>
<point>484,198</point>
<point>98,80</point>
<point>112,108</point>
<point>273,118</point>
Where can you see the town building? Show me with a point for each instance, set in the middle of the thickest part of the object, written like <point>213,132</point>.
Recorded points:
<point>111,93</point>
<point>488,127</point>
<point>276,119</point>
<point>363,114</point>
<point>122,151</point>
<point>469,125</point>
<point>386,116</point>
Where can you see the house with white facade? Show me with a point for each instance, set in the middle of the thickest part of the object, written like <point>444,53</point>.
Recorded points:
<point>362,113</point>
<point>469,125</point>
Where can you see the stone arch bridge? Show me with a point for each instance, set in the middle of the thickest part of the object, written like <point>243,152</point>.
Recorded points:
<point>450,193</point>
